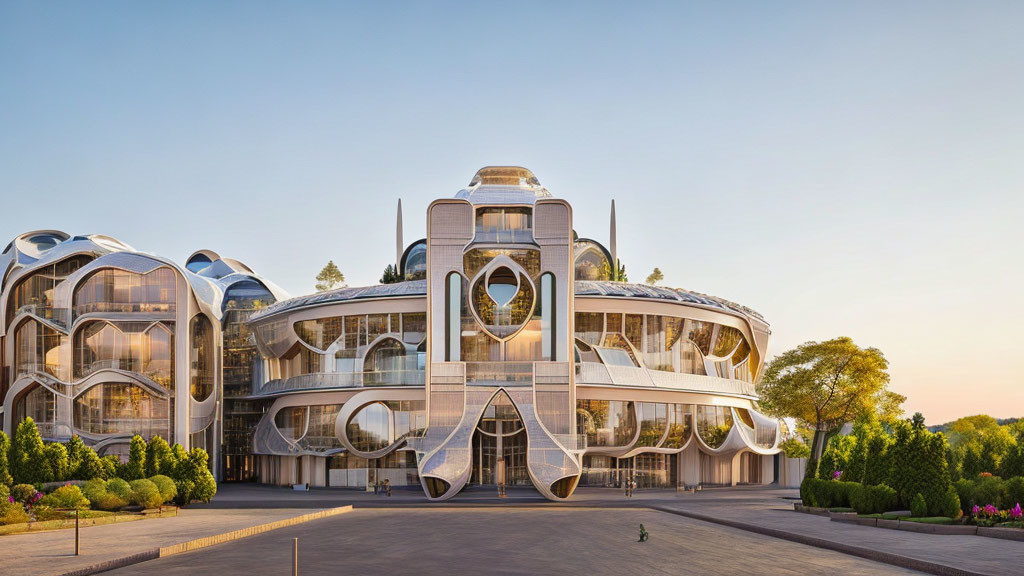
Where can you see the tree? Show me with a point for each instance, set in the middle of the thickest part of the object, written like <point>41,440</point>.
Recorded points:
<point>135,468</point>
<point>329,278</point>
<point>76,450</point>
<point>5,470</point>
<point>979,444</point>
<point>56,456</point>
<point>159,458</point>
<point>192,476</point>
<point>827,384</point>
<point>655,277</point>
<point>390,275</point>
<point>26,459</point>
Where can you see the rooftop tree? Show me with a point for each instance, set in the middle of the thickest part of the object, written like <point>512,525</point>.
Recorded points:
<point>329,278</point>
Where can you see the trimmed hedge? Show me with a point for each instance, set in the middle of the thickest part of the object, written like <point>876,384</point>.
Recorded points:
<point>65,497</point>
<point>827,493</point>
<point>146,494</point>
<point>873,499</point>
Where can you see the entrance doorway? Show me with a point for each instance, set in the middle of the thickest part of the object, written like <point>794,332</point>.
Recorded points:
<point>499,445</point>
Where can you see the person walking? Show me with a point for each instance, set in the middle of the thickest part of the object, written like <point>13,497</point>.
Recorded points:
<point>387,486</point>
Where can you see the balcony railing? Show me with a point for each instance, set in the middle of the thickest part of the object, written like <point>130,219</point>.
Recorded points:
<point>124,307</point>
<point>503,236</point>
<point>505,373</point>
<point>322,380</point>
<point>601,374</point>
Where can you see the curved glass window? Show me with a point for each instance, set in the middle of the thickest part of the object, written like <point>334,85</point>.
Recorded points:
<point>321,332</point>
<point>122,408</point>
<point>37,349</point>
<point>653,421</point>
<point>38,404</point>
<point>414,328</point>
<point>370,429</point>
<point>198,262</point>
<point>590,327</point>
<point>591,262</point>
<point>606,423</point>
<point>35,292</point>
<point>113,290</point>
<point>147,349</point>
<point>714,424</point>
<point>415,263</point>
<point>202,358</point>
<point>727,341</point>
<point>453,317</point>
<point>291,422</point>
<point>680,425</point>
<point>320,430</point>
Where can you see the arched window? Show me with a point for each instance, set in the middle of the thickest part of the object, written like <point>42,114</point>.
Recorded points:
<point>122,408</point>
<point>549,343</point>
<point>453,317</point>
<point>202,357</point>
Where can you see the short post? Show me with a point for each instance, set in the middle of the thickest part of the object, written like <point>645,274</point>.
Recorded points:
<point>76,531</point>
<point>295,557</point>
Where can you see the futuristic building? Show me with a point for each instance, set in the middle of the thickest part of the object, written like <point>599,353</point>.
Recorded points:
<point>102,341</point>
<point>510,353</point>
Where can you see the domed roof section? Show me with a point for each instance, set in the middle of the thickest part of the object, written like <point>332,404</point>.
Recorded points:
<point>503,185</point>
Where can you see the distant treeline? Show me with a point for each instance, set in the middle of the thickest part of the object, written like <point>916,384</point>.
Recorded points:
<point>944,428</point>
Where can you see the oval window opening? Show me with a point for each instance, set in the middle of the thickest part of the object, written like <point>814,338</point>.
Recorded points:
<point>502,286</point>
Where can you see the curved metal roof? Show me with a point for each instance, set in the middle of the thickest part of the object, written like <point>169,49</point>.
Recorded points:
<point>583,288</point>
<point>503,185</point>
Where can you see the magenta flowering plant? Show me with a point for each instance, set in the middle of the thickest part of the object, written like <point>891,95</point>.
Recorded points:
<point>991,510</point>
<point>1016,513</point>
<point>10,499</point>
<point>976,510</point>
<point>837,474</point>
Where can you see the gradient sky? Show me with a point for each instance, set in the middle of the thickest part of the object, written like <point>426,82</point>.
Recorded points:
<point>845,169</point>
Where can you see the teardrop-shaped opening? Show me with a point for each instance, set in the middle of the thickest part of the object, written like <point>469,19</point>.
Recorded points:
<point>436,487</point>
<point>502,286</point>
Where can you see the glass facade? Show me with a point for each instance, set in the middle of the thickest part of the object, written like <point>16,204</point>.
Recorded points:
<point>714,424</point>
<point>606,422</point>
<point>122,408</point>
<point>202,359</point>
<point>145,348</point>
<point>38,404</point>
<point>35,292</point>
<point>114,290</point>
<point>37,349</point>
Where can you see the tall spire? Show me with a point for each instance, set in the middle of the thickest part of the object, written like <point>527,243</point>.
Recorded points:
<point>399,245</point>
<point>611,245</point>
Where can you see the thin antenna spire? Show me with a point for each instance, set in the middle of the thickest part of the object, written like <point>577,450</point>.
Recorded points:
<point>611,245</point>
<point>399,245</point>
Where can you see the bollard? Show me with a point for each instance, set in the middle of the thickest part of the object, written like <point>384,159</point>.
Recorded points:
<point>76,531</point>
<point>295,557</point>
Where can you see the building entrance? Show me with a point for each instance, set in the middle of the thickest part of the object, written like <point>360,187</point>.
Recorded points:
<point>499,445</point>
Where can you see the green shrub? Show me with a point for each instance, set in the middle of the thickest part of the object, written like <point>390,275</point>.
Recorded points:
<point>950,505</point>
<point>56,456</point>
<point>12,514</point>
<point>1013,492</point>
<point>918,507</point>
<point>22,493</point>
<point>108,502</point>
<point>988,490</point>
<point>5,492</point>
<point>160,459</point>
<point>69,496</point>
<point>28,466</point>
<point>5,471</point>
<point>120,488</point>
<point>90,466</point>
<point>873,499</point>
<point>166,486</point>
<point>965,491</point>
<point>146,494</point>
<point>94,489</point>
<point>192,476</point>
<point>110,465</point>
<point>794,448</point>
<point>135,468</point>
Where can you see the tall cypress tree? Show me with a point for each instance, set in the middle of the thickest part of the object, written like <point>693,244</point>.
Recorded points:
<point>5,471</point>
<point>26,460</point>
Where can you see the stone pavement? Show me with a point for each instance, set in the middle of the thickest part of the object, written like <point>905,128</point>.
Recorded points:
<point>46,553</point>
<point>515,540</point>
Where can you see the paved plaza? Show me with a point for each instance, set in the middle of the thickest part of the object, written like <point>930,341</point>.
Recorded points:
<point>519,540</point>
<point>404,534</point>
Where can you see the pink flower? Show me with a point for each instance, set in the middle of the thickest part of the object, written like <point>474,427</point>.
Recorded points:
<point>991,510</point>
<point>837,474</point>
<point>10,499</point>
<point>1016,512</point>
<point>976,510</point>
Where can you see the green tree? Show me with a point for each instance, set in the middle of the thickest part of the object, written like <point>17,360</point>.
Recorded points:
<point>5,470</point>
<point>329,278</point>
<point>135,468</point>
<point>76,450</point>
<point>193,478</point>
<point>91,466</point>
<point>827,384</point>
<point>390,275</point>
<point>56,456</point>
<point>836,457</point>
<point>655,277</point>
<point>26,459</point>
<point>980,444</point>
<point>159,458</point>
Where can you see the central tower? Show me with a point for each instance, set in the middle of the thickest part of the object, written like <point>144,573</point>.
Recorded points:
<point>499,312</point>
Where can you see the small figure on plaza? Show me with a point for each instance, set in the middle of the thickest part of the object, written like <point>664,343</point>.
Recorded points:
<point>643,534</point>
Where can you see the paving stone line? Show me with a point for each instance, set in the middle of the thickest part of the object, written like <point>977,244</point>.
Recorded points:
<point>205,542</point>
<point>859,551</point>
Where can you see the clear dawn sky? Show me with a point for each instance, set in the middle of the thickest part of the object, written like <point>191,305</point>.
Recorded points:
<point>845,169</point>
